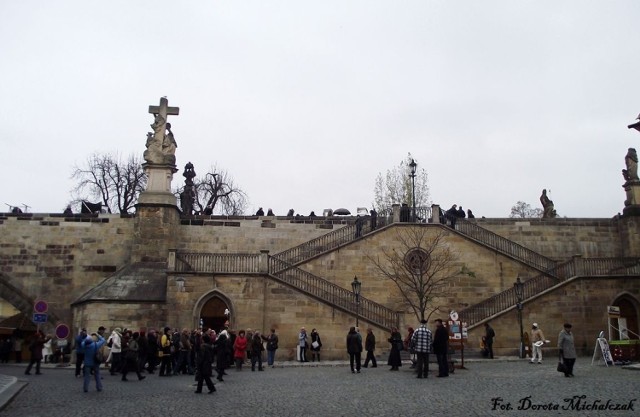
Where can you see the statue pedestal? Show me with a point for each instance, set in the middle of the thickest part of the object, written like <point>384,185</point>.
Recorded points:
<point>632,203</point>
<point>158,189</point>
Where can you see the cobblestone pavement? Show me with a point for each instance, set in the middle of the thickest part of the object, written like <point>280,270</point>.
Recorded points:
<point>485,388</point>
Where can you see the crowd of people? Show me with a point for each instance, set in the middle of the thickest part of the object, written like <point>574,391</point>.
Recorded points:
<point>200,352</point>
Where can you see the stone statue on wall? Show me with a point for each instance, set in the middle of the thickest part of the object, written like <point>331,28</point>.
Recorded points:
<point>549,211</point>
<point>631,161</point>
<point>187,196</point>
<point>161,144</point>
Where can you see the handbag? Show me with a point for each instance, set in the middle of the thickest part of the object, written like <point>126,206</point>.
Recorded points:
<point>561,367</point>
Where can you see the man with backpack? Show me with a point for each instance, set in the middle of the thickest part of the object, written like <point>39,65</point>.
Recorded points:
<point>91,346</point>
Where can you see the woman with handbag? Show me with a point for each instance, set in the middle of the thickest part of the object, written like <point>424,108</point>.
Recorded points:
<point>316,344</point>
<point>567,350</point>
<point>396,346</point>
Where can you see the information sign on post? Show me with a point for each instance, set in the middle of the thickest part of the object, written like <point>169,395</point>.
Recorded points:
<point>39,318</point>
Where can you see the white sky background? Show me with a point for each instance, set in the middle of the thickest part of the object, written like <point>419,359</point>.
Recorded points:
<point>304,103</point>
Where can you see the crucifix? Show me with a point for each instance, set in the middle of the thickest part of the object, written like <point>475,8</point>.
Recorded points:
<point>161,146</point>
<point>161,112</point>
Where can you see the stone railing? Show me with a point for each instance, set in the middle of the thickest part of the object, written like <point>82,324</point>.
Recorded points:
<point>236,263</point>
<point>577,266</point>
<point>333,294</point>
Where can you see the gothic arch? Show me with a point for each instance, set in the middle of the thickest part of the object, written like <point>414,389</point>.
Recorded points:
<point>211,307</point>
<point>629,311</point>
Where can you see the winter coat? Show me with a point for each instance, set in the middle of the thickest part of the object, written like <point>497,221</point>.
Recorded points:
<point>239,347</point>
<point>394,356</point>
<point>354,343</point>
<point>90,348</point>
<point>205,359</point>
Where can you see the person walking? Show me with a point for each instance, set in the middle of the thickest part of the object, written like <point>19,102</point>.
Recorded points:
<point>396,346</point>
<point>421,341</point>
<point>203,363</point>
<point>91,346</point>
<point>35,347</point>
<point>441,348</point>
<point>272,346</point>
<point>316,345</point>
<point>537,340</point>
<point>370,347</point>
<point>567,349</point>
<point>115,344</point>
<point>489,335</point>
<point>130,347</point>
<point>220,349</point>
<point>354,349</point>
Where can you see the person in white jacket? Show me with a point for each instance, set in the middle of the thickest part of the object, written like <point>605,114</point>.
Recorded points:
<point>115,344</point>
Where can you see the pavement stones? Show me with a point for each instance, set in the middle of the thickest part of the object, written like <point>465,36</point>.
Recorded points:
<point>507,386</point>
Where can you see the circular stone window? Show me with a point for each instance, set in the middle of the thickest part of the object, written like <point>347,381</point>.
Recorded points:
<point>416,260</point>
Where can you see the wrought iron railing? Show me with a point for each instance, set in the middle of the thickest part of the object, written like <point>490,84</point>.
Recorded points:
<point>333,294</point>
<point>236,263</point>
<point>506,246</point>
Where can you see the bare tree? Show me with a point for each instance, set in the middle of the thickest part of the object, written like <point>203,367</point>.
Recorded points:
<point>395,187</point>
<point>525,211</point>
<point>217,191</point>
<point>422,268</point>
<point>116,183</point>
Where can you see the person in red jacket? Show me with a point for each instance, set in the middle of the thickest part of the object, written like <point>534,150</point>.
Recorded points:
<point>239,349</point>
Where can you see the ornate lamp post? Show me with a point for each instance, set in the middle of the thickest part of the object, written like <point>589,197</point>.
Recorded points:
<point>413,165</point>
<point>518,286</point>
<point>356,286</point>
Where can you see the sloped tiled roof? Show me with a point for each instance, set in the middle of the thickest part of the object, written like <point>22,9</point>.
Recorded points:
<point>140,282</point>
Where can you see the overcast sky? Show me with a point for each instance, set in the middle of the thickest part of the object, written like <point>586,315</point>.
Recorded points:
<point>305,103</point>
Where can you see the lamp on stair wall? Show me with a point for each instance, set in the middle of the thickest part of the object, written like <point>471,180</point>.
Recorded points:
<point>356,286</point>
<point>412,166</point>
<point>180,284</point>
<point>518,286</point>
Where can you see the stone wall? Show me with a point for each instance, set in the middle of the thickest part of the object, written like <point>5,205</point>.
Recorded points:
<point>562,238</point>
<point>581,301</point>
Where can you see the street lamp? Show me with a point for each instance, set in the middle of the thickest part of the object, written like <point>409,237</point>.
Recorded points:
<point>518,286</point>
<point>413,165</point>
<point>356,286</point>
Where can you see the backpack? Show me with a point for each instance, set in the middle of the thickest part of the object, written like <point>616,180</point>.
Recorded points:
<point>98,358</point>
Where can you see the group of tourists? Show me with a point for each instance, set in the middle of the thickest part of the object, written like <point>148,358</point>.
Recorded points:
<point>170,353</point>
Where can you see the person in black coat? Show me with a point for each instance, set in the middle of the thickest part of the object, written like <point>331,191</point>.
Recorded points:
<point>354,349</point>
<point>441,348</point>
<point>396,346</point>
<point>204,363</point>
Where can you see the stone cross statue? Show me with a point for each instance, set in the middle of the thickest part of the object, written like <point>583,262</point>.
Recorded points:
<point>161,145</point>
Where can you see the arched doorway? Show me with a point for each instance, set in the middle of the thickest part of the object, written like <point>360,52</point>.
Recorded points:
<point>212,313</point>
<point>628,320</point>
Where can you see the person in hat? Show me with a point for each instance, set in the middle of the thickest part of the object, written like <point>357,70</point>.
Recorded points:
<point>567,349</point>
<point>537,340</point>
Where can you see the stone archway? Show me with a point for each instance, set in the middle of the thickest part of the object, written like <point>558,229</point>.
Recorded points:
<point>629,311</point>
<point>211,308</point>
